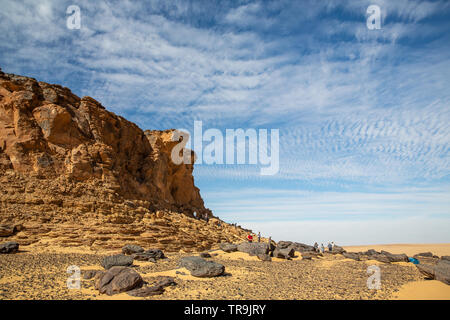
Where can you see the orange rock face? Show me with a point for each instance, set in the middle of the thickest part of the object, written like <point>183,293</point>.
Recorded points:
<point>70,167</point>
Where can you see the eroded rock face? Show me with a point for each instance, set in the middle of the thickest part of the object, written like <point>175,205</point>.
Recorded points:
<point>47,131</point>
<point>75,173</point>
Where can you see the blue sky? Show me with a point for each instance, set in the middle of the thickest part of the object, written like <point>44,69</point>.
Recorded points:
<point>363,114</point>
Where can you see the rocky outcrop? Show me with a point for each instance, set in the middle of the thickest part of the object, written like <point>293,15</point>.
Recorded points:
<point>74,173</point>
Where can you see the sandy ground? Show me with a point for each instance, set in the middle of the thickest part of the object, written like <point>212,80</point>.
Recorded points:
<point>36,273</point>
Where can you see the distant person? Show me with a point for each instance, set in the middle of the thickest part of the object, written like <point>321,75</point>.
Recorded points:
<point>316,247</point>
<point>322,248</point>
<point>259,236</point>
<point>330,247</point>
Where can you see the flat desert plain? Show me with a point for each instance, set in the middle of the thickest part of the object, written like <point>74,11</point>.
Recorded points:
<point>41,273</point>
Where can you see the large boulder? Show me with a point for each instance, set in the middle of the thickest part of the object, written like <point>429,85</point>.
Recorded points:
<point>116,260</point>
<point>201,268</point>
<point>118,279</point>
<point>131,249</point>
<point>9,247</point>
<point>285,253</point>
<point>253,248</point>
<point>228,247</point>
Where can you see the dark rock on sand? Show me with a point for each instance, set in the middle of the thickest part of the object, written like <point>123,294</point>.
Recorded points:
<point>423,254</point>
<point>370,252</point>
<point>380,257</point>
<point>286,253</point>
<point>440,272</point>
<point>131,249</point>
<point>117,260</point>
<point>9,247</point>
<point>395,257</point>
<point>205,255</point>
<point>297,246</point>
<point>146,291</point>
<point>89,274</point>
<point>150,255</point>
<point>446,258</point>
<point>6,230</point>
<point>228,247</point>
<point>154,289</point>
<point>264,257</point>
<point>118,279</point>
<point>337,250</point>
<point>202,268</point>
<point>352,255</point>
<point>253,248</point>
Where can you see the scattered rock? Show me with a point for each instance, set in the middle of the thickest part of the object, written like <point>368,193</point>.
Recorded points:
<point>9,247</point>
<point>89,274</point>
<point>297,246</point>
<point>379,257</point>
<point>202,268</point>
<point>151,255</point>
<point>146,291</point>
<point>352,255</point>
<point>446,258</point>
<point>264,257</point>
<point>117,260</point>
<point>6,231</point>
<point>370,252</point>
<point>286,253</point>
<point>253,248</point>
<point>118,279</point>
<point>205,255</point>
<point>395,257</point>
<point>228,247</point>
<point>337,250</point>
<point>423,254</point>
<point>131,249</point>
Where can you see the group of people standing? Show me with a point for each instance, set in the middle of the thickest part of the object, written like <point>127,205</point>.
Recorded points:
<point>322,248</point>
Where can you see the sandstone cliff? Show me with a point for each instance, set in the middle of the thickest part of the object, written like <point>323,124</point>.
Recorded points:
<point>74,173</point>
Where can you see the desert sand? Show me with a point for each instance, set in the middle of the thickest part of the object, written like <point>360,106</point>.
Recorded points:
<point>439,249</point>
<point>36,273</point>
